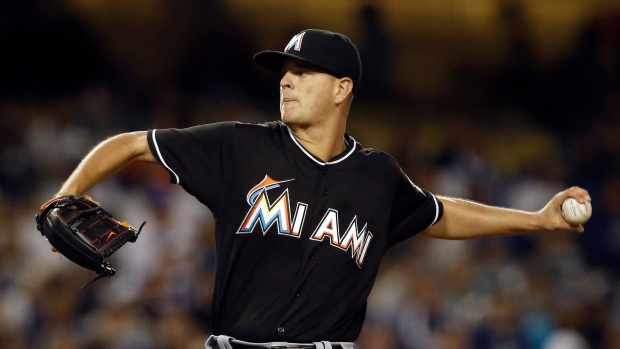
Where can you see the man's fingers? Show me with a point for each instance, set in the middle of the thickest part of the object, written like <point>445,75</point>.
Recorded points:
<point>577,193</point>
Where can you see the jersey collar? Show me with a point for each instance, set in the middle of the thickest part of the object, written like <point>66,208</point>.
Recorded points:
<point>350,142</point>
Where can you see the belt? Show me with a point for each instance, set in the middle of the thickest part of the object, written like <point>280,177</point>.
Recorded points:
<point>225,342</point>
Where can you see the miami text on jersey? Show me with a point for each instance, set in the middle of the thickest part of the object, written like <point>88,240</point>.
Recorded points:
<point>266,214</point>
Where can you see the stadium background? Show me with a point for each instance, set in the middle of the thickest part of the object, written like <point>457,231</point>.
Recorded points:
<point>505,102</point>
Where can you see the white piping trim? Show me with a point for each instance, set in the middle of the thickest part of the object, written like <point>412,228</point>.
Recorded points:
<point>314,159</point>
<point>224,342</point>
<point>436,211</point>
<point>163,162</point>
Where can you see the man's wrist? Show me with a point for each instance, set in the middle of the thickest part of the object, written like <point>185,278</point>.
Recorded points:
<point>64,193</point>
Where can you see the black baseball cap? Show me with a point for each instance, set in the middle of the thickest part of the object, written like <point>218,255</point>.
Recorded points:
<point>331,51</point>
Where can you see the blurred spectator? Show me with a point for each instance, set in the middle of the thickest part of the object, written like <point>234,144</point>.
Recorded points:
<point>565,339</point>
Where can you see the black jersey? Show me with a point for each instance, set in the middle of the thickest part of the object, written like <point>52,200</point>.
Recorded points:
<point>299,240</point>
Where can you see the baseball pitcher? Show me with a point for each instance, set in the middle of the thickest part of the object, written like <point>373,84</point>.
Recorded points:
<point>304,213</point>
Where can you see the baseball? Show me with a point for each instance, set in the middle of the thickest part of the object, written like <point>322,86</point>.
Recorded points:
<point>575,213</point>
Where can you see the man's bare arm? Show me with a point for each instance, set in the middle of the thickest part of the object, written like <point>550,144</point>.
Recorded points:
<point>106,159</point>
<point>463,219</point>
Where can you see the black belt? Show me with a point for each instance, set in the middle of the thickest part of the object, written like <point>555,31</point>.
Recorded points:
<point>222,342</point>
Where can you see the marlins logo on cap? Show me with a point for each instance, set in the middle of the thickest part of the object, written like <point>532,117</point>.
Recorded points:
<point>331,51</point>
<point>296,41</point>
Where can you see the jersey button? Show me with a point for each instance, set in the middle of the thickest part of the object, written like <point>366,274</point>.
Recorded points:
<point>297,295</point>
<point>311,257</point>
<point>280,329</point>
<point>324,170</point>
<point>324,191</point>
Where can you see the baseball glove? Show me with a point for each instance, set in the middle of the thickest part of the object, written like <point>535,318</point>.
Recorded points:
<point>81,230</point>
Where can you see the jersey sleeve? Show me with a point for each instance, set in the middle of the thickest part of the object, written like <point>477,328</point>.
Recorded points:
<point>195,157</point>
<point>413,210</point>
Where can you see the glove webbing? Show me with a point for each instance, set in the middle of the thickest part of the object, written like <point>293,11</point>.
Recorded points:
<point>107,268</point>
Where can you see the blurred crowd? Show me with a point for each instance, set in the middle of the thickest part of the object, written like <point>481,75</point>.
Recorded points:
<point>524,134</point>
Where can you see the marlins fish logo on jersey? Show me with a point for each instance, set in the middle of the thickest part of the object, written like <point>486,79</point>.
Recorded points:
<point>266,214</point>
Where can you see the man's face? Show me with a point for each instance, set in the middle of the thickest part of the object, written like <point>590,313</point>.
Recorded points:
<point>306,93</point>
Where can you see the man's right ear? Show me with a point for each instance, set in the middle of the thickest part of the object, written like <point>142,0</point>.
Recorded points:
<point>344,89</point>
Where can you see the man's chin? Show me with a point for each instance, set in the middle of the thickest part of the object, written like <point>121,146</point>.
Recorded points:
<point>287,119</point>
<point>293,122</point>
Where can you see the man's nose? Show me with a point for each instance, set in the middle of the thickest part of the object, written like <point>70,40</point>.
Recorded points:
<point>286,80</point>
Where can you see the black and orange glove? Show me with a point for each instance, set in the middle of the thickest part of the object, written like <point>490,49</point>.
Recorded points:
<point>81,230</point>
